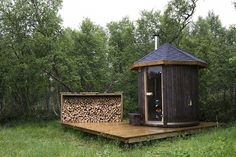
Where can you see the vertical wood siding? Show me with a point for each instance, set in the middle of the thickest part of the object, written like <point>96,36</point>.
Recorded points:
<point>141,92</point>
<point>180,93</point>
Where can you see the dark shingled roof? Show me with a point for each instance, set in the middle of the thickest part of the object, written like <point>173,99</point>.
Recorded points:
<point>168,54</point>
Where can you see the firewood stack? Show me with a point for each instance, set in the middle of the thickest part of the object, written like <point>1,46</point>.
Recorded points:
<point>91,109</point>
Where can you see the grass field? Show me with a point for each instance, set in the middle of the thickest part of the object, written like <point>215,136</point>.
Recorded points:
<point>50,139</point>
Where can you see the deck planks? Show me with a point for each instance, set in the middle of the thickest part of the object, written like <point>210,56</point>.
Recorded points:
<point>130,134</point>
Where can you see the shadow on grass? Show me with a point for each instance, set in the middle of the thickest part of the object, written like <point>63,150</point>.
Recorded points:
<point>90,139</point>
<point>101,140</point>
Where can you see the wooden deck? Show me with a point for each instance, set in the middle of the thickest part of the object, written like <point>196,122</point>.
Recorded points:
<point>130,134</point>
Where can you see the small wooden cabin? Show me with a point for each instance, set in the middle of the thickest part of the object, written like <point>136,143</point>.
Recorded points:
<point>168,87</point>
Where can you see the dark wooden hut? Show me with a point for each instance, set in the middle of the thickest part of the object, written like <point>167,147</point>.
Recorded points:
<point>168,87</point>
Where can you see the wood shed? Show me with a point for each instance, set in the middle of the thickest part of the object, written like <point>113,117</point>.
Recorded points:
<point>168,87</point>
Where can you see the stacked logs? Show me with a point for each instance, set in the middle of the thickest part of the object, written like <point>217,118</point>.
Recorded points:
<point>91,109</point>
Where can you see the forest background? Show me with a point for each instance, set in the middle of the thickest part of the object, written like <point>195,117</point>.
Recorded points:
<point>39,58</point>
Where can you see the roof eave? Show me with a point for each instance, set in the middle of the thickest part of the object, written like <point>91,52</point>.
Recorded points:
<point>168,62</point>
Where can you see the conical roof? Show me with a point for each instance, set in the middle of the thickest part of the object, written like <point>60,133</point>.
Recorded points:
<point>168,54</point>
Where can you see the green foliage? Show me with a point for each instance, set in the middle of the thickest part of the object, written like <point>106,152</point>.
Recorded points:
<point>29,32</point>
<point>90,53</point>
<point>175,18</point>
<point>39,59</point>
<point>214,44</point>
<point>168,26</point>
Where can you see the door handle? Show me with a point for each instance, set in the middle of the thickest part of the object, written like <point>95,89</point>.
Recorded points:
<point>149,93</point>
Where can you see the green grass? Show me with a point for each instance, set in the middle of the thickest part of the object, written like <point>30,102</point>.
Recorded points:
<point>52,140</point>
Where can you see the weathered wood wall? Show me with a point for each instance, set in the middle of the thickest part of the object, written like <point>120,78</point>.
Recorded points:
<point>180,93</point>
<point>91,108</point>
<point>141,92</point>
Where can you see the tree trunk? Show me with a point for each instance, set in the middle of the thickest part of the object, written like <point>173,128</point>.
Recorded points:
<point>48,96</point>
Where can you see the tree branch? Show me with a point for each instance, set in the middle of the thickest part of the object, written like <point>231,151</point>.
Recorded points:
<point>186,20</point>
<point>58,80</point>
